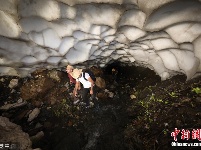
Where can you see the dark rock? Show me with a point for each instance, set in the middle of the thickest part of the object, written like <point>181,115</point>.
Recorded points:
<point>12,133</point>
<point>36,88</point>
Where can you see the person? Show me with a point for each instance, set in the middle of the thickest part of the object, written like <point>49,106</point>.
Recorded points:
<point>115,74</point>
<point>88,85</point>
<point>69,70</point>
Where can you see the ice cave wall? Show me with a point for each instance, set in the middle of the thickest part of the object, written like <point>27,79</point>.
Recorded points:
<point>163,35</point>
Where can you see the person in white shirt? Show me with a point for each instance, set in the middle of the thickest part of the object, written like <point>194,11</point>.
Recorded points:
<point>87,82</point>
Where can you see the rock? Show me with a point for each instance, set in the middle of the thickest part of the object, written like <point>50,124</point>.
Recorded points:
<point>21,115</point>
<point>37,103</point>
<point>19,104</point>
<point>110,94</point>
<point>14,105</point>
<point>38,136</point>
<point>35,112</point>
<point>198,99</point>
<point>12,133</point>
<point>52,101</point>
<point>100,82</point>
<point>102,95</point>
<point>34,131</point>
<point>13,83</point>
<point>19,100</point>
<point>56,75</point>
<point>178,123</point>
<point>2,79</point>
<point>38,125</point>
<point>48,125</point>
<point>132,96</point>
<point>98,72</point>
<point>34,88</point>
<point>6,107</point>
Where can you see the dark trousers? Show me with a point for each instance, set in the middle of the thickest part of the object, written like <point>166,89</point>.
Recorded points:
<point>86,95</point>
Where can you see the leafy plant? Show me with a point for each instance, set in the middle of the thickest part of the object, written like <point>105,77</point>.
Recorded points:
<point>149,106</point>
<point>197,90</point>
<point>61,109</point>
<point>173,94</point>
<point>165,131</point>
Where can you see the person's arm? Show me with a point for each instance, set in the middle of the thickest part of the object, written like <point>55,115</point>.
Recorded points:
<point>77,87</point>
<point>92,84</point>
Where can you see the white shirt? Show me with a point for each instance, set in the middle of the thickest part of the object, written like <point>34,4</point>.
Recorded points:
<point>85,83</point>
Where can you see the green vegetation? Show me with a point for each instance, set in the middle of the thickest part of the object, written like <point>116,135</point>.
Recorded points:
<point>197,90</point>
<point>62,109</point>
<point>173,94</point>
<point>150,107</point>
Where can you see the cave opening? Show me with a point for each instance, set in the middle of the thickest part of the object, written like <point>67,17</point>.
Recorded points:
<point>124,73</point>
<point>138,108</point>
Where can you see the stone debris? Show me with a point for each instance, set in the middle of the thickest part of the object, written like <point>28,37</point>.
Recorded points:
<point>2,79</point>
<point>35,112</point>
<point>13,83</point>
<point>110,94</point>
<point>14,105</point>
<point>100,82</point>
<point>132,96</point>
<point>12,133</point>
<point>38,136</point>
<point>34,88</point>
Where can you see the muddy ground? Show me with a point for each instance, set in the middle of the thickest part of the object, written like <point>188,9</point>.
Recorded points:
<point>139,111</point>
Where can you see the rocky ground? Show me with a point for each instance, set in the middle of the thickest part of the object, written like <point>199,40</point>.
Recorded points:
<point>139,111</point>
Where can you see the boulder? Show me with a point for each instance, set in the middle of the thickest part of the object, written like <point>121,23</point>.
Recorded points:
<point>100,82</point>
<point>12,133</point>
<point>34,88</point>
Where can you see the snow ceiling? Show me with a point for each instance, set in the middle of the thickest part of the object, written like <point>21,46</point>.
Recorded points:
<point>163,35</point>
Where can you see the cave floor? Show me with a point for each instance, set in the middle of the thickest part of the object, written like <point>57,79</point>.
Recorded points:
<point>142,112</point>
